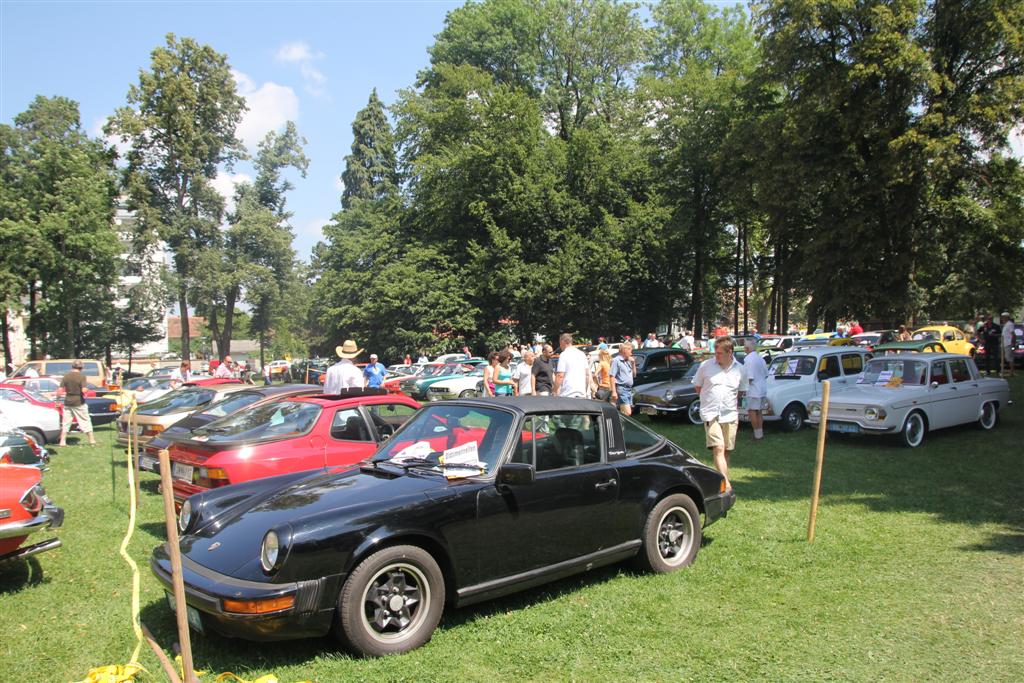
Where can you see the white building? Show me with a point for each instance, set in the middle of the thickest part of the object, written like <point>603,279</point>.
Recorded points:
<point>140,270</point>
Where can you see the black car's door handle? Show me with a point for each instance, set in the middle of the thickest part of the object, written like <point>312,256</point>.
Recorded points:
<point>605,485</point>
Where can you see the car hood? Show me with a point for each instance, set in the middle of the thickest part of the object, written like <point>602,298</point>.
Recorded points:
<point>871,395</point>
<point>335,497</point>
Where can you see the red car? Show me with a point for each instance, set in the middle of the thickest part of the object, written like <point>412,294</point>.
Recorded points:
<point>291,435</point>
<point>17,391</point>
<point>25,510</point>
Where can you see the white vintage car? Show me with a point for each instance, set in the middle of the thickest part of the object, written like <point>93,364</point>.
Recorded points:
<point>458,386</point>
<point>910,394</point>
<point>42,423</point>
<point>794,380</point>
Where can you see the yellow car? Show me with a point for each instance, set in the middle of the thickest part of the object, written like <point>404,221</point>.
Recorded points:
<point>953,339</point>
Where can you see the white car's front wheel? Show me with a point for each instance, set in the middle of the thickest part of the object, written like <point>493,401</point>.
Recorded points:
<point>914,429</point>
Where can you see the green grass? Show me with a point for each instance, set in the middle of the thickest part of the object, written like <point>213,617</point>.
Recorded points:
<point>916,573</point>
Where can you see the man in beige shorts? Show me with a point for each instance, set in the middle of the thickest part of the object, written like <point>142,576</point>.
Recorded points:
<point>720,383</point>
<point>74,385</point>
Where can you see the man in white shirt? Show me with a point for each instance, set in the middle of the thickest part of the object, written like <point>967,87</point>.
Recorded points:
<point>1008,340</point>
<point>571,372</point>
<point>688,341</point>
<point>757,386</point>
<point>523,374</point>
<point>720,383</point>
<point>225,369</point>
<point>181,374</point>
<point>344,374</point>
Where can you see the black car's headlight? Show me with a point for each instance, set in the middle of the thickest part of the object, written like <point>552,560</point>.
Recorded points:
<point>270,552</point>
<point>185,516</point>
<point>669,394</point>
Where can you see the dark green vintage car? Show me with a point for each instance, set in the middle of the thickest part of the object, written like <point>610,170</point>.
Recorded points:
<point>922,346</point>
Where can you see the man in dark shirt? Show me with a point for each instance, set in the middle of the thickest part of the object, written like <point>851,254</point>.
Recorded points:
<point>991,336</point>
<point>542,371</point>
<point>74,384</point>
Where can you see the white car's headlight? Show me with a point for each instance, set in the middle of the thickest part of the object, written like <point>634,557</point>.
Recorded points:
<point>873,413</point>
<point>270,551</point>
<point>814,409</point>
<point>185,516</point>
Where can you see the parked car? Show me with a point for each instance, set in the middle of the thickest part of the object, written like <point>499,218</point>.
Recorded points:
<point>156,416</point>
<point>394,384</point>
<point>95,371</point>
<point>773,344</point>
<point>912,394</point>
<point>18,448</point>
<point>952,338</point>
<point>458,386</point>
<point>25,509</point>
<point>675,397</point>
<point>41,423</point>
<point>873,339</point>
<point>298,433</point>
<point>229,404</point>
<point>660,365</point>
<point>417,387</point>
<point>470,500</point>
<point>142,390</point>
<point>925,346</point>
<point>794,380</point>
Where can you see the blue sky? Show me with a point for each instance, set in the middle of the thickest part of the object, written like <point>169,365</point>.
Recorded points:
<point>311,62</point>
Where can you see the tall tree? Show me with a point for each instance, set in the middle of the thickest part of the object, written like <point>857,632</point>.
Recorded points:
<point>370,170</point>
<point>180,124</point>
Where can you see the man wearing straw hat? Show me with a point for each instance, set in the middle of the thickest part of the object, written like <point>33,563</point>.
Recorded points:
<point>344,374</point>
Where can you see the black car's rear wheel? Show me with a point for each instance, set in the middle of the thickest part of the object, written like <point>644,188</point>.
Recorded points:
<point>671,535</point>
<point>391,602</point>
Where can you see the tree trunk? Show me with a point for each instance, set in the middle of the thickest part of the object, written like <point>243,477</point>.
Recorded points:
<point>8,357</point>
<point>697,298</point>
<point>224,345</point>
<point>736,284</point>
<point>186,345</point>
<point>32,320</point>
<point>746,281</point>
<point>263,342</point>
<point>812,315</point>
<point>130,354</point>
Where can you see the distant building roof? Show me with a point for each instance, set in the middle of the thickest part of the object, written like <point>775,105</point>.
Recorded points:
<point>195,326</point>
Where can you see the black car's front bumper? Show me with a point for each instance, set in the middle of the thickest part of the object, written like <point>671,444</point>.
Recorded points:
<point>717,506</point>
<point>205,590</point>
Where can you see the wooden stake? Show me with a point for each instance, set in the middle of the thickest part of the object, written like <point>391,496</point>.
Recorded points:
<point>172,675</point>
<point>819,460</point>
<point>176,578</point>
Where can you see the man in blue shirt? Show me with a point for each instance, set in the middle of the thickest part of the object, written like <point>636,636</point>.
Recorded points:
<point>373,374</point>
<point>623,371</point>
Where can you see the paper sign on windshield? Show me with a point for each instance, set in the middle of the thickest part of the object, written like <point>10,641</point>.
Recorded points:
<point>420,449</point>
<point>462,461</point>
<point>883,377</point>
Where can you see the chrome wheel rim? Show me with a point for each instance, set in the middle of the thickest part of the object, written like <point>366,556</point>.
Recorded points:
<point>675,535</point>
<point>694,413</point>
<point>914,430</point>
<point>395,602</point>
<point>988,416</point>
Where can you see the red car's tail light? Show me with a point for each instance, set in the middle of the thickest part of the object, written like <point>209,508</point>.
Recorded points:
<point>33,500</point>
<point>212,477</point>
<point>5,459</point>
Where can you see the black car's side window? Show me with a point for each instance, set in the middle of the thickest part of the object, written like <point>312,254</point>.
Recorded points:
<point>636,438</point>
<point>557,441</point>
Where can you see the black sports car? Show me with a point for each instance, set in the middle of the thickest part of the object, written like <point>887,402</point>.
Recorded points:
<point>469,500</point>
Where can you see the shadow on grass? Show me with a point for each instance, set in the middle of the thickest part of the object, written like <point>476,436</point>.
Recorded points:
<point>1011,543</point>
<point>16,575</point>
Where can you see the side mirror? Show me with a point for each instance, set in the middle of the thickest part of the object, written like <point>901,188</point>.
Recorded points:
<point>514,474</point>
<point>822,376</point>
<point>935,385</point>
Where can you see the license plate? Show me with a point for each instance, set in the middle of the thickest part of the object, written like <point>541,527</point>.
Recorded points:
<point>148,463</point>
<point>842,427</point>
<point>182,472</point>
<point>137,429</point>
<point>647,410</point>
<point>194,620</point>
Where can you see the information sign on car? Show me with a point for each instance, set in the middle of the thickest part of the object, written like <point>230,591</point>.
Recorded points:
<point>148,463</point>
<point>183,472</point>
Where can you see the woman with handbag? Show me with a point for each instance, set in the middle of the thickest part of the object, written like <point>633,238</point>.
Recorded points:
<point>603,376</point>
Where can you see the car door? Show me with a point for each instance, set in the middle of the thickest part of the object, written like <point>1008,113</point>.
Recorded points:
<point>678,363</point>
<point>828,368</point>
<point>350,439</point>
<point>655,368</point>
<point>567,512</point>
<point>968,393</point>
<point>853,366</point>
<point>941,407</point>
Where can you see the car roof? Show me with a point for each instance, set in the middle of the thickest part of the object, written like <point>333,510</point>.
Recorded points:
<point>942,328</point>
<point>534,404</point>
<point>912,355</point>
<point>284,389</point>
<point>357,396</point>
<point>823,350</point>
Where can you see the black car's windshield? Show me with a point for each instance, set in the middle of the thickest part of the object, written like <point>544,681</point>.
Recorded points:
<point>791,365</point>
<point>257,423</point>
<point>178,401</point>
<point>230,404</point>
<point>891,372</point>
<point>458,440</point>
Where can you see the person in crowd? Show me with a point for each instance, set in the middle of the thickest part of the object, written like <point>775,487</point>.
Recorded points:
<point>623,372</point>
<point>181,374</point>
<point>571,372</point>
<point>407,360</point>
<point>74,384</point>
<point>422,358</point>
<point>651,342</point>
<point>31,372</point>
<point>373,373</point>
<point>543,375</point>
<point>902,333</point>
<point>266,374</point>
<point>757,386</point>
<point>344,374</point>
<point>855,328</point>
<point>991,337</point>
<point>524,374</point>
<point>721,382</point>
<point>224,369</point>
<point>504,384</point>
<point>602,375</point>
<point>491,373</point>
<point>1007,333</point>
<point>688,343</point>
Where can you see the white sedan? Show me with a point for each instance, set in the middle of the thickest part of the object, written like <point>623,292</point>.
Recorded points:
<point>42,423</point>
<point>458,386</point>
<point>910,394</point>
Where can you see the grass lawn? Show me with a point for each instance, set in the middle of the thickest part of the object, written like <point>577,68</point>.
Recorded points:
<point>916,573</point>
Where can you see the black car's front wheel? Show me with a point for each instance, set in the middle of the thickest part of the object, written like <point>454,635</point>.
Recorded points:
<point>391,602</point>
<point>671,535</point>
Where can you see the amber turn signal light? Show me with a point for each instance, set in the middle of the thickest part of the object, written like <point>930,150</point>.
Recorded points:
<point>721,487</point>
<point>259,606</point>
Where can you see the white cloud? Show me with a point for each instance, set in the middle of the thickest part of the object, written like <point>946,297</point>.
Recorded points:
<point>302,54</point>
<point>96,131</point>
<point>314,228</point>
<point>225,184</point>
<point>1017,143</point>
<point>339,184</point>
<point>270,107</point>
